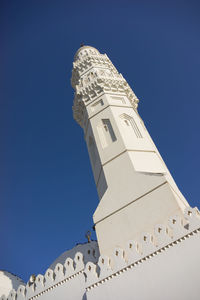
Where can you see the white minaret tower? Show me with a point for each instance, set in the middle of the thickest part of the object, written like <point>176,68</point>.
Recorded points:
<point>135,188</point>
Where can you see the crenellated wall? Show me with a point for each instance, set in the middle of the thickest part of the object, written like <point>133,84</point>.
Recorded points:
<point>164,266</point>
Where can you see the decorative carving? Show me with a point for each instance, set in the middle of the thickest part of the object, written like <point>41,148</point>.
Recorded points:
<point>94,74</point>
<point>162,235</point>
<point>21,292</point>
<point>12,295</point>
<point>105,267</point>
<point>119,259</point>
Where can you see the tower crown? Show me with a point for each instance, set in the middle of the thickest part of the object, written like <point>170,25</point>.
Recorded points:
<point>94,74</point>
<point>85,50</point>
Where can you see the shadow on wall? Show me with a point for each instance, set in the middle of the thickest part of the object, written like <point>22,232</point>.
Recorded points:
<point>101,183</point>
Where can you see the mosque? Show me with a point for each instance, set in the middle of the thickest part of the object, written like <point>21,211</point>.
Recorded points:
<point>148,236</point>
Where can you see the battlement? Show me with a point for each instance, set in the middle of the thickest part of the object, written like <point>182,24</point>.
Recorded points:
<point>93,274</point>
<point>148,247</point>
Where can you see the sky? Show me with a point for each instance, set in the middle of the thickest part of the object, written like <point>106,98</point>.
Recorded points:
<point>47,191</point>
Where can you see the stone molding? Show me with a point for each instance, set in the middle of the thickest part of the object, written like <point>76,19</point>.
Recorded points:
<point>136,252</point>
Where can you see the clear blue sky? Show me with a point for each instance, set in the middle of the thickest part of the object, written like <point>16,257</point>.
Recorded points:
<point>47,191</point>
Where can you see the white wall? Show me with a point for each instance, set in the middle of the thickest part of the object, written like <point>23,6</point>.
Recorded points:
<point>173,274</point>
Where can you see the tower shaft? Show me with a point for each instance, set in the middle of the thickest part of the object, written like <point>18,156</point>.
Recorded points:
<point>135,188</point>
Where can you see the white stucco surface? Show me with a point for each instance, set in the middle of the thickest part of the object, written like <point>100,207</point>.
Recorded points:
<point>9,281</point>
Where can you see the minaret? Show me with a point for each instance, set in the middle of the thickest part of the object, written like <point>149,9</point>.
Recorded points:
<point>135,188</point>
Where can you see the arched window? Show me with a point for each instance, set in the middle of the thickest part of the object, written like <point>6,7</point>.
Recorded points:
<point>106,133</point>
<point>130,123</point>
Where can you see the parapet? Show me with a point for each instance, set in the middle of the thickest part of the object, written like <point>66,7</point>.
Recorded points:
<point>91,275</point>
